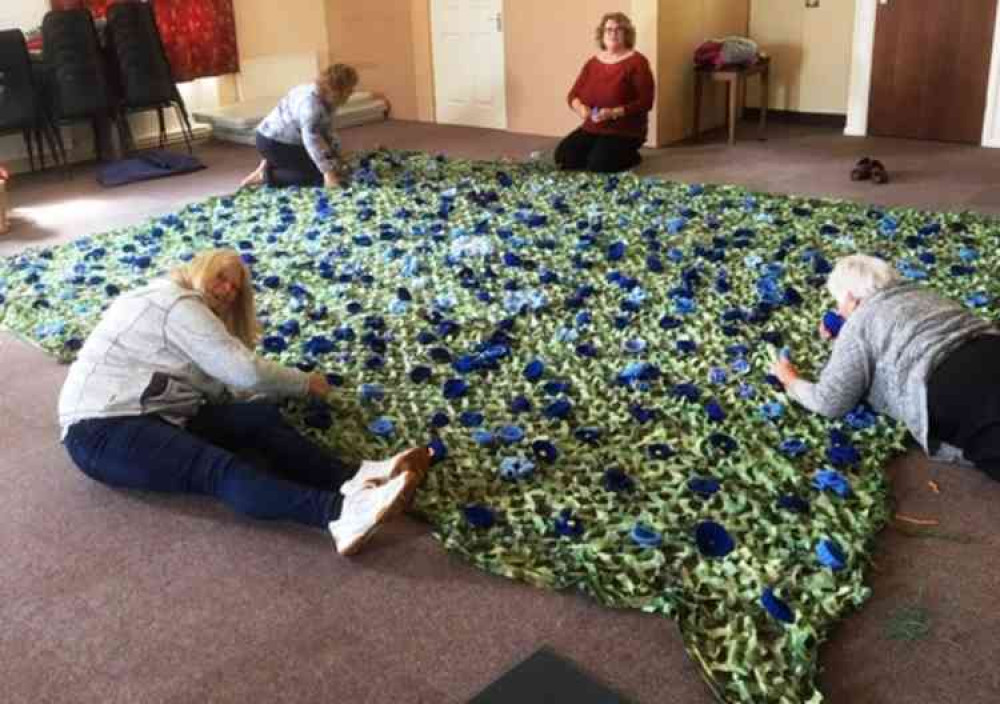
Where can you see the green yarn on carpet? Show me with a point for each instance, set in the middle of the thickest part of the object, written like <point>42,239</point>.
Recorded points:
<point>591,353</point>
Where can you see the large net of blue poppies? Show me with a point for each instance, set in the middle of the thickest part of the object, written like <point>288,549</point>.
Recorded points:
<point>589,356</point>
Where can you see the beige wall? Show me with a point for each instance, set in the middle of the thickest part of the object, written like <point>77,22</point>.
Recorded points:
<point>683,25</point>
<point>265,27</point>
<point>810,50</point>
<point>388,41</point>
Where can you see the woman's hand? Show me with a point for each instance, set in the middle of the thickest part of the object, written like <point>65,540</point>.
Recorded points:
<point>318,386</point>
<point>786,372</point>
<point>609,114</point>
<point>824,332</point>
<point>331,179</point>
<point>580,109</point>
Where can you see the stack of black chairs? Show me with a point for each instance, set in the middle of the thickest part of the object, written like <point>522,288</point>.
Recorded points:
<point>77,76</point>
<point>22,102</point>
<point>135,44</point>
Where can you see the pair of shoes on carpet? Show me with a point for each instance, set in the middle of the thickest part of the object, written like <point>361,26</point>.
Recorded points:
<point>868,168</point>
<point>379,491</point>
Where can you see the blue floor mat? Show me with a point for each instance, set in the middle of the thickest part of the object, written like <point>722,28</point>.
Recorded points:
<point>147,166</point>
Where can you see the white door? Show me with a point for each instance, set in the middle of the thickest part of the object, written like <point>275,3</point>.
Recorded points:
<point>469,87</point>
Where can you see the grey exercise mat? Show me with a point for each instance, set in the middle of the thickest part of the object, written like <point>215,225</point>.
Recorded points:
<point>546,678</point>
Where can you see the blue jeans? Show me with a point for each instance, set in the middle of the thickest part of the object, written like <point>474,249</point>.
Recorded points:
<point>147,452</point>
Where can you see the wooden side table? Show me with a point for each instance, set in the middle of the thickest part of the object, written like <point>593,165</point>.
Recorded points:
<point>736,77</point>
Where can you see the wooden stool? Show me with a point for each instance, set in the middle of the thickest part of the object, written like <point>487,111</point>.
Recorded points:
<point>736,77</point>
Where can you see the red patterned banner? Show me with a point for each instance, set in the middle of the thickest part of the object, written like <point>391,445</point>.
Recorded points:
<point>199,36</point>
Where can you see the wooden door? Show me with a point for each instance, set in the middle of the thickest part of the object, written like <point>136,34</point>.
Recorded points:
<point>930,69</point>
<point>469,84</point>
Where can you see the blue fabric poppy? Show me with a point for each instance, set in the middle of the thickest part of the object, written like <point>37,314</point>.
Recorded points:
<point>439,449</point>
<point>534,370</point>
<point>794,447</point>
<point>371,392</point>
<point>830,554</point>
<point>514,468</point>
<point>717,375</point>
<point>470,419</point>
<point>454,388</point>
<point>558,409</point>
<point>861,417</point>
<point>383,427</point>
<point>772,410</point>
<point>832,480</point>
<point>484,438</point>
<point>440,420</point>
<point>715,412</point>
<point>713,540</point>
<point>723,442</point>
<point>274,343</point>
<point>420,374</point>
<point>519,404</point>
<point>545,451</point>
<point>318,346</point>
<point>616,251</point>
<point>479,516</point>
<point>668,322</point>
<point>793,503</point>
<point>660,451</point>
<point>588,435</point>
<point>833,322</point>
<point>645,537</point>
<point>703,486</point>
<point>617,481</point>
<point>778,609</point>
<point>510,434</point>
<point>843,456</point>
<point>686,346</point>
<point>567,525</point>
<point>687,391</point>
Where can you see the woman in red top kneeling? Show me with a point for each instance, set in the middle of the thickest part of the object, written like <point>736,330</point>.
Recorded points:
<point>613,96</point>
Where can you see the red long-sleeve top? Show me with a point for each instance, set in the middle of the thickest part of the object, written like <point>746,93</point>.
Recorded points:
<point>628,83</point>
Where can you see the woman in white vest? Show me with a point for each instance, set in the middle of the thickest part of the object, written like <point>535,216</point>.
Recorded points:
<point>150,403</point>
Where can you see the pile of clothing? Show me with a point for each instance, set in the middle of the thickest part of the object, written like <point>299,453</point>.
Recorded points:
<point>728,51</point>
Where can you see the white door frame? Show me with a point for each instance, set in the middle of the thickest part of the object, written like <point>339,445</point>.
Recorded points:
<point>865,12</point>
<point>502,97</point>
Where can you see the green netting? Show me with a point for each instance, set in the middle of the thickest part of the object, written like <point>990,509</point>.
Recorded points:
<point>592,354</point>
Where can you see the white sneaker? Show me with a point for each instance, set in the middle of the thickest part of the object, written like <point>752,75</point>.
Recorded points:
<point>951,455</point>
<point>365,510</point>
<point>415,460</point>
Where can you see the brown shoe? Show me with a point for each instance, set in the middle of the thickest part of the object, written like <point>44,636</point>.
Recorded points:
<point>878,172</point>
<point>862,171</point>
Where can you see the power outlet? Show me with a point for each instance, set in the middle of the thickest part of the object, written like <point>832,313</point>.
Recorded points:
<point>812,3</point>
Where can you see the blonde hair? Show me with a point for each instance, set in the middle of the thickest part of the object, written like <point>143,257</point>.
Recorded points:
<point>624,22</point>
<point>860,276</point>
<point>337,82</point>
<point>241,318</point>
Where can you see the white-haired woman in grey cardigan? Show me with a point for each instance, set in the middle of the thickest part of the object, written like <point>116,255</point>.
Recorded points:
<point>913,355</point>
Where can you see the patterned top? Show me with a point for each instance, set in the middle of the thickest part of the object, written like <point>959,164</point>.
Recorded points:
<point>161,350</point>
<point>301,117</point>
<point>886,351</point>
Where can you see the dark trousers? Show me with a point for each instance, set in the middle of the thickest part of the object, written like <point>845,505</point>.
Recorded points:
<point>597,152</point>
<point>288,164</point>
<point>963,402</point>
<point>147,452</point>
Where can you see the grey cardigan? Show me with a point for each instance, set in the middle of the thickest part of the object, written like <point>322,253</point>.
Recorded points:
<point>161,349</point>
<point>886,352</point>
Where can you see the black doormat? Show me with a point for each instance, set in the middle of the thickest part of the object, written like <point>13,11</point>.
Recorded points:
<point>546,678</point>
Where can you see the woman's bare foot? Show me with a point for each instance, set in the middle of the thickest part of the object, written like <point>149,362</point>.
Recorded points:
<point>257,177</point>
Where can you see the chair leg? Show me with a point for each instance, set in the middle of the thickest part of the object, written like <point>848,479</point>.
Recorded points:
<point>54,131</point>
<point>39,147</point>
<point>162,140</point>
<point>26,133</point>
<point>185,124</point>
<point>125,133</point>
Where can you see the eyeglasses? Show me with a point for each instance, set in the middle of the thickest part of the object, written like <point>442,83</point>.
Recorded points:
<point>613,30</point>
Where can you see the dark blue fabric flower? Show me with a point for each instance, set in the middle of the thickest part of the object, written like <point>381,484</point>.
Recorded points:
<point>686,346</point>
<point>617,481</point>
<point>454,388</point>
<point>440,420</point>
<point>723,442</point>
<point>830,554</point>
<point>274,343</point>
<point>558,409</point>
<point>833,322</point>
<point>778,609</point>
<point>713,540</point>
<point>687,391</point>
<point>703,486</point>
<point>588,435</point>
<point>793,503</point>
<point>545,451</point>
<point>567,525</point>
<point>510,434</point>
<point>471,419</point>
<point>439,450</point>
<point>843,456</point>
<point>861,417</point>
<point>479,516</point>
<point>793,447</point>
<point>519,404</point>
<point>669,322</point>
<point>660,451</point>
<point>715,412</point>
<point>383,427</point>
<point>534,370</point>
<point>616,251</point>
<point>318,346</point>
<point>420,374</point>
<point>644,536</point>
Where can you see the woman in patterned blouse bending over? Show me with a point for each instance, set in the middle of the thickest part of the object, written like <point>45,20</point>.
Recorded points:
<point>297,139</point>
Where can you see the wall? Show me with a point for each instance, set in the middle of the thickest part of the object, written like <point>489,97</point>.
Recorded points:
<point>683,25</point>
<point>266,27</point>
<point>389,42</point>
<point>811,53</point>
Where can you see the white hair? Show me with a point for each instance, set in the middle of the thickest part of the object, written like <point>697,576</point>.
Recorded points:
<point>860,276</point>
